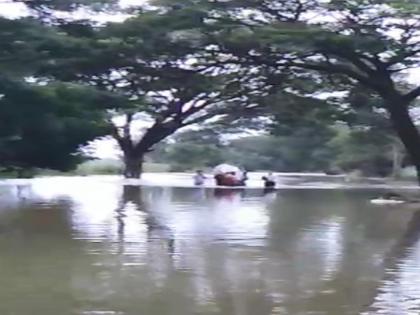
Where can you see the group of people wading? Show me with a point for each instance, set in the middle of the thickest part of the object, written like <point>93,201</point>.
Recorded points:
<point>231,179</point>
<point>231,176</point>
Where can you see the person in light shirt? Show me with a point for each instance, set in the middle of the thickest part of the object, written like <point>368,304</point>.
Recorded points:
<point>199,178</point>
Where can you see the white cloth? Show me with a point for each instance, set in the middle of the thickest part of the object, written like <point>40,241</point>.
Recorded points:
<point>226,168</point>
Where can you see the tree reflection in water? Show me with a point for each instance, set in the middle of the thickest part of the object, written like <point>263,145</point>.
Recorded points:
<point>386,297</point>
<point>299,252</point>
<point>132,196</point>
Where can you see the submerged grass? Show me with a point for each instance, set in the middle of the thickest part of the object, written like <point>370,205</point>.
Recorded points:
<point>92,167</point>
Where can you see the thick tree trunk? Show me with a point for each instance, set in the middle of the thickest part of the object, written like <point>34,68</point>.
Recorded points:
<point>133,166</point>
<point>134,152</point>
<point>406,131</point>
<point>397,160</point>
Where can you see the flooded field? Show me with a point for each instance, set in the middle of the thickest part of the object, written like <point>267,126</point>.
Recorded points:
<point>97,246</point>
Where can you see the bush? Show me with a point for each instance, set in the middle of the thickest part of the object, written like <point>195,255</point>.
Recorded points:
<point>114,167</point>
<point>408,173</point>
<point>99,167</point>
<point>156,168</point>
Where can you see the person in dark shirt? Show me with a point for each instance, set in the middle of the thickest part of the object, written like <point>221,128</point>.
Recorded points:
<point>269,181</point>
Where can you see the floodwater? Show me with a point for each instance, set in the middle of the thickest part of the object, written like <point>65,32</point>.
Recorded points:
<point>93,246</point>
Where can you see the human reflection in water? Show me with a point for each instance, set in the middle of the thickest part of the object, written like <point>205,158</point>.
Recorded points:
<point>199,194</point>
<point>228,194</point>
<point>23,192</point>
<point>269,190</point>
<point>392,261</point>
<point>52,217</point>
<point>133,195</point>
<point>270,194</point>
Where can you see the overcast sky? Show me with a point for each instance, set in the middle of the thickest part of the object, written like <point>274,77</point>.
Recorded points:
<point>15,10</point>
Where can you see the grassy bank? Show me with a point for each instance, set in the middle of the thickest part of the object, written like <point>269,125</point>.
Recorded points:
<point>93,167</point>
<point>114,167</point>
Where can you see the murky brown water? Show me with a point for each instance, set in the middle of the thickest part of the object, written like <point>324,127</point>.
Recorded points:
<point>100,248</point>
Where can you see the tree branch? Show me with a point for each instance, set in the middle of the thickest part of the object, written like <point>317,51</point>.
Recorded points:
<point>124,141</point>
<point>126,128</point>
<point>412,95</point>
<point>116,135</point>
<point>335,69</point>
<point>400,57</point>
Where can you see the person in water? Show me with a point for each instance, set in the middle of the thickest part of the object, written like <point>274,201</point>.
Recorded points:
<point>392,196</point>
<point>199,178</point>
<point>227,179</point>
<point>244,178</point>
<point>269,181</point>
<point>219,179</point>
<point>231,179</point>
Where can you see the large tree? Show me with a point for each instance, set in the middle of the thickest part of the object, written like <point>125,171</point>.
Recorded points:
<point>371,43</point>
<point>148,63</point>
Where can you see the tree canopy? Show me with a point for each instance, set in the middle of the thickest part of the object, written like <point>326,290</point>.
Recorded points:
<point>147,63</point>
<point>44,122</point>
<point>186,62</point>
<point>337,44</point>
<point>44,126</point>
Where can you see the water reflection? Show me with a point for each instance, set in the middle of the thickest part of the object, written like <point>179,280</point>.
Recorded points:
<point>399,290</point>
<point>103,248</point>
<point>132,196</point>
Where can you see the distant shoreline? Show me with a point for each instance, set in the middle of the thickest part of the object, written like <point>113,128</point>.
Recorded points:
<point>184,180</point>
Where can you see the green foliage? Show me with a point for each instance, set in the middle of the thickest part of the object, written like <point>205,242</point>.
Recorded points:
<point>190,156</point>
<point>334,149</point>
<point>43,126</point>
<point>368,44</point>
<point>182,63</point>
<point>144,60</point>
<point>252,153</point>
<point>99,167</point>
<point>23,46</point>
<point>363,150</point>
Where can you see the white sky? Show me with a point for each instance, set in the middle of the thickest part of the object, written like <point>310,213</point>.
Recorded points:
<point>15,10</point>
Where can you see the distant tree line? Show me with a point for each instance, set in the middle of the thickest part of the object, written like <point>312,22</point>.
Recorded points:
<point>338,151</point>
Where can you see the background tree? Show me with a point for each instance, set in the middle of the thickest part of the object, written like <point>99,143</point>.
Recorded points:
<point>368,43</point>
<point>296,133</point>
<point>369,143</point>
